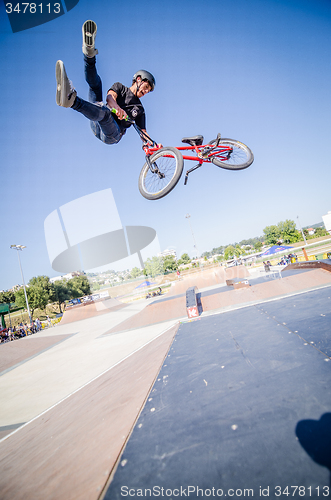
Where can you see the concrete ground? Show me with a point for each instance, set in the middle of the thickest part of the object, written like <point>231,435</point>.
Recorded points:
<point>70,395</point>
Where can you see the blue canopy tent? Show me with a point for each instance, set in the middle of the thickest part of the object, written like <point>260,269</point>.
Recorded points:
<point>275,249</point>
<point>144,284</point>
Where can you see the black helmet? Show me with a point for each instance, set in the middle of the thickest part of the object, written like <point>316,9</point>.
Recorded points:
<point>145,75</point>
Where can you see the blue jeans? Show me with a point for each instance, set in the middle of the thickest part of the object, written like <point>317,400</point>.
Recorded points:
<point>102,122</point>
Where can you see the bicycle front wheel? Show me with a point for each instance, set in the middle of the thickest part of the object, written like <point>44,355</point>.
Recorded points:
<point>167,167</point>
<point>231,155</point>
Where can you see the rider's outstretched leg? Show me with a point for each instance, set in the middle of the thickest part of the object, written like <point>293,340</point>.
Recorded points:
<point>106,130</point>
<point>92,78</point>
<point>103,124</point>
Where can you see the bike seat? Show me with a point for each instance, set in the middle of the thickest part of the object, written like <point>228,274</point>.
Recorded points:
<point>197,140</point>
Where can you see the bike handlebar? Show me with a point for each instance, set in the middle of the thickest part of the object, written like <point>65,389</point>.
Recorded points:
<point>143,135</point>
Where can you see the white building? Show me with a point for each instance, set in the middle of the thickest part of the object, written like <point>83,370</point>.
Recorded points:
<point>66,277</point>
<point>167,253</point>
<point>327,221</point>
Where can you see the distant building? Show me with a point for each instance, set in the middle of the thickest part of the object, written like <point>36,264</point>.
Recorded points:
<point>66,277</point>
<point>167,253</point>
<point>15,288</point>
<point>327,221</point>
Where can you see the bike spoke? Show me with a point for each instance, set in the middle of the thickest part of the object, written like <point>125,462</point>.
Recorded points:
<point>231,155</point>
<point>156,182</point>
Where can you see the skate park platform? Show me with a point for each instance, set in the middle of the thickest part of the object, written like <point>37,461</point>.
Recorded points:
<point>90,310</point>
<point>132,399</point>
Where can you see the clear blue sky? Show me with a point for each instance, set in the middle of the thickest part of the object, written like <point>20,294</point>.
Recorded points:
<point>258,71</point>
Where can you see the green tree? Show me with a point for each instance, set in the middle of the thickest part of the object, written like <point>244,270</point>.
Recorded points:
<point>185,259</point>
<point>135,272</point>
<point>169,263</point>
<point>238,251</point>
<point>42,291</point>
<point>288,231</point>
<point>272,235</point>
<point>218,250</point>
<point>320,231</point>
<point>153,266</point>
<point>229,252</point>
<point>7,297</point>
<point>258,246</point>
<point>37,298</point>
<point>79,286</point>
<point>61,292</point>
<point>41,282</point>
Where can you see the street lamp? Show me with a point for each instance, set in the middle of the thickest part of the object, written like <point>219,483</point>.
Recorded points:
<point>20,247</point>
<point>302,231</point>
<point>187,216</point>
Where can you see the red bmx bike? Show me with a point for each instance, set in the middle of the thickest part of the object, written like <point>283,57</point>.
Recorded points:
<point>164,165</point>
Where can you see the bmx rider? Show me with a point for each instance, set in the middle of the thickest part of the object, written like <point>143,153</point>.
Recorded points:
<point>106,126</point>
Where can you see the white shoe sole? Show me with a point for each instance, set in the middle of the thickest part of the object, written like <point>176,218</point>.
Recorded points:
<point>63,88</point>
<point>89,30</point>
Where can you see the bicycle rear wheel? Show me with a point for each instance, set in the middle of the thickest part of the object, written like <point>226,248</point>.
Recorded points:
<point>231,155</point>
<point>167,165</point>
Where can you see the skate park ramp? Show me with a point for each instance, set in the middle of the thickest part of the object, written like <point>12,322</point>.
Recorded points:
<point>242,402</point>
<point>89,310</point>
<point>311,264</point>
<point>236,399</point>
<point>207,277</point>
<point>224,297</point>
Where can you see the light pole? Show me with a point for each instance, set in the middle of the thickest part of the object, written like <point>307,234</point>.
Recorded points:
<point>302,231</point>
<point>187,216</point>
<point>20,247</point>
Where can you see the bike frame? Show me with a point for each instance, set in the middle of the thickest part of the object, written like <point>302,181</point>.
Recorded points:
<point>203,153</point>
<point>200,156</point>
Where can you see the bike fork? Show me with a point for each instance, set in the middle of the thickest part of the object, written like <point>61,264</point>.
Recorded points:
<point>154,170</point>
<point>191,170</point>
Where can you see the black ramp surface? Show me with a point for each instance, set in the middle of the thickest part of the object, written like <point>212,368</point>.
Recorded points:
<point>240,408</point>
<point>308,315</point>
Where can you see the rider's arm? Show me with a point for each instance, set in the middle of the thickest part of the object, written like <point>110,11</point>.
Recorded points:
<point>144,139</point>
<point>148,140</point>
<point>112,103</point>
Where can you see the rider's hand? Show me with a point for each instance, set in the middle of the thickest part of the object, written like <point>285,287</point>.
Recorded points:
<point>121,114</point>
<point>152,144</point>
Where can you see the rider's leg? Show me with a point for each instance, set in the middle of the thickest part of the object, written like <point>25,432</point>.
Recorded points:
<point>93,80</point>
<point>103,124</point>
<point>103,130</point>
<point>89,30</point>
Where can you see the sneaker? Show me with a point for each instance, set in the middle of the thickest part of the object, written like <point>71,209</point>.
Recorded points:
<point>89,30</point>
<point>65,93</point>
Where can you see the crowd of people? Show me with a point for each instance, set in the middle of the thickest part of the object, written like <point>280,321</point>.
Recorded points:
<point>22,330</point>
<point>284,261</point>
<point>287,259</point>
<point>149,295</point>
